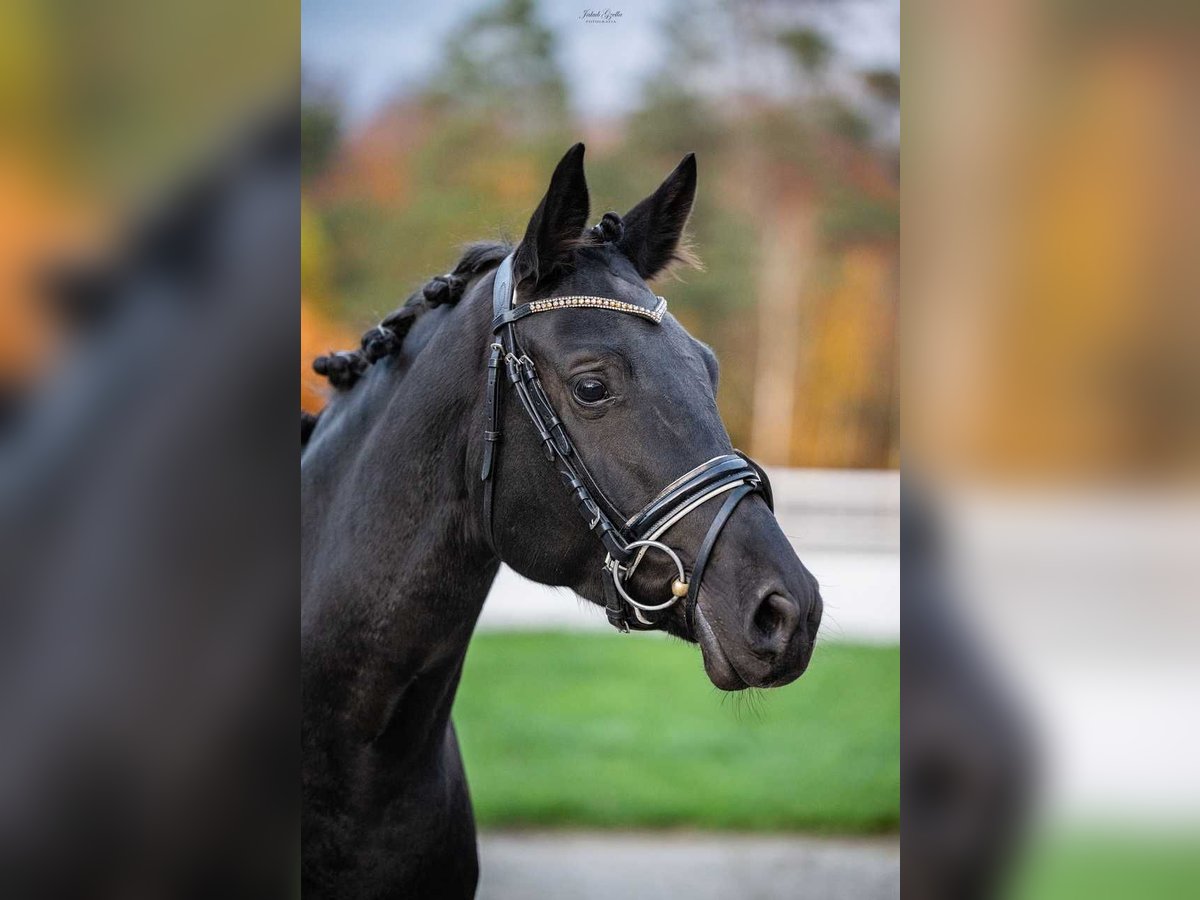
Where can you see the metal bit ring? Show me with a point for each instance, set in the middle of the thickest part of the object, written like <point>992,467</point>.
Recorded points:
<point>651,545</point>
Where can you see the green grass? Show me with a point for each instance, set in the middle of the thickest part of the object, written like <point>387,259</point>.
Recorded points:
<point>607,731</point>
<point>1093,865</point>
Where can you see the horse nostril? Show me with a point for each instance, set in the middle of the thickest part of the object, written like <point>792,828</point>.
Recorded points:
<point>774,622</point>
<point>766,618</point>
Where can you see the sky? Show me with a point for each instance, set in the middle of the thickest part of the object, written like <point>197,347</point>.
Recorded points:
<point>373,49</point>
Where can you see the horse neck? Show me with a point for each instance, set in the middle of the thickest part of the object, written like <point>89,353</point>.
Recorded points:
<point>396,564</point>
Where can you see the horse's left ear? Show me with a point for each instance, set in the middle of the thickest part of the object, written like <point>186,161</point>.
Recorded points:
<point>654,228</point>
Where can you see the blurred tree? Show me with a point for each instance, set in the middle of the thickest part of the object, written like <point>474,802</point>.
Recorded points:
<point>213,64</point>
<point>320,129</point>
<point>810,48</point>
<point>447,164</point>
<point>884,84</point>
<point>809,210</point>
<point>314,253</point>
<point>501,62</point>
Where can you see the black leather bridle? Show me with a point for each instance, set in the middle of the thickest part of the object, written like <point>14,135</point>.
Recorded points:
<point>626,541</point>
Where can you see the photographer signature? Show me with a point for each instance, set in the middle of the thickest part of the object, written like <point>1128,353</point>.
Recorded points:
<point>600,17</point>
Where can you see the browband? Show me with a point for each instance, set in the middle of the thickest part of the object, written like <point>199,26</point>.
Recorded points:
<point>552,303</point>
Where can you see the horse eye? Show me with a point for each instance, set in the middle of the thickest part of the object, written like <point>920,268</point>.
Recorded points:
<point>590,390</point>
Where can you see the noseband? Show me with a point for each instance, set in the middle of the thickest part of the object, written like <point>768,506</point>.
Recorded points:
<point>626,541</point>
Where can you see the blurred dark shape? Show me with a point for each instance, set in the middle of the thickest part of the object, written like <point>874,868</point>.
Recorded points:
<point>966,763</point>
<point>147,562</point>
<point>308,421</point>
<point>11,404</point>
<point>176,242</point>
<point>82,295</point>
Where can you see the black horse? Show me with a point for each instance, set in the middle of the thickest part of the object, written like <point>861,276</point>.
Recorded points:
<point>398,554</point>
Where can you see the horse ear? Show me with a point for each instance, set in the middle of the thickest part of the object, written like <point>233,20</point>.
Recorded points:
<point>557,223</point>
<point>654,227</point>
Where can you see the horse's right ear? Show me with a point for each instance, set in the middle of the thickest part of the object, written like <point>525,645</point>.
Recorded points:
<point>557,223</point>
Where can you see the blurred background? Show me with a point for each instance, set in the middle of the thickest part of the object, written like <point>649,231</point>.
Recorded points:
<point>424,128</point>
<point>149,270</point>
<point>104,112</point>
<point>1052,442</point>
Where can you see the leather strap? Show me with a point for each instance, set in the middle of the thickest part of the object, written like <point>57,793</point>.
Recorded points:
<point>508,316</point>
<point>706,547</point>
<point>614,606</point>
<point>502,297</point>
<point>491,406</point>
<point>767,493</point>
<point>704,478</point>
<point>502,289</point>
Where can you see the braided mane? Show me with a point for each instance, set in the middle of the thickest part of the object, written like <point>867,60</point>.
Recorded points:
<point>344,368</point>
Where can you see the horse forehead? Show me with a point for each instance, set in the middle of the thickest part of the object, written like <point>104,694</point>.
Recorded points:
<point>665,347</point>
<point>676,353</point>
<point>605,272</point>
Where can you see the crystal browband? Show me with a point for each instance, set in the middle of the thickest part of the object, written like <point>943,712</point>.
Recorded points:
<point>550,303</point>
<point>655,315</point>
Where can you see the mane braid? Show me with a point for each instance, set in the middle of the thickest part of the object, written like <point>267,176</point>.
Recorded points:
<point>308,421</point>
<point>609,230</point>
<point>344,368</point>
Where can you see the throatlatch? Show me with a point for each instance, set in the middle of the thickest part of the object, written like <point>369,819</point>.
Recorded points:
<point>625,544</point>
